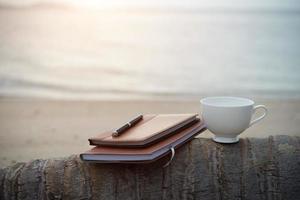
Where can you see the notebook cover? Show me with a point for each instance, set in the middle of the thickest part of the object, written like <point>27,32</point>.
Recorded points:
<point>150,129</point>
<point>146,153</point>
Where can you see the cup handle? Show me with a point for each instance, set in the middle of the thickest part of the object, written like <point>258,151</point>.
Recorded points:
<point>261,117</point>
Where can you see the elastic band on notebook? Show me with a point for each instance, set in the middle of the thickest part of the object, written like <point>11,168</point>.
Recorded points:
<point>172,156</point>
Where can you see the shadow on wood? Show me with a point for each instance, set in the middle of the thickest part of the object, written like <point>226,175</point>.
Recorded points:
<point>251,169</point>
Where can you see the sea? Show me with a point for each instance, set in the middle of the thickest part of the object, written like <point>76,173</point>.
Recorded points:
<point>62,52</point>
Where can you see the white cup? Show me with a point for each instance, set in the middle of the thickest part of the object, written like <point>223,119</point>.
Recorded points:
<point>227,117</point>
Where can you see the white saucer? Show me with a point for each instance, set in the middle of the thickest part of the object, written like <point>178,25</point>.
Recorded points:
<point>225,140</point>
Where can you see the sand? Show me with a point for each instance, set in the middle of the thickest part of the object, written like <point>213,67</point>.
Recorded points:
<point>32,129</point>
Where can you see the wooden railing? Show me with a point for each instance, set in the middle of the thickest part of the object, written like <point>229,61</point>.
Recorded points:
<point>251,169</point>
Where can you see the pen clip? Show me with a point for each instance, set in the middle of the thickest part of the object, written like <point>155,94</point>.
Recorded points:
<point>126,126</point>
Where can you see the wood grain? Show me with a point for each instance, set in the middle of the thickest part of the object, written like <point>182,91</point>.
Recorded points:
<point>251,169</point>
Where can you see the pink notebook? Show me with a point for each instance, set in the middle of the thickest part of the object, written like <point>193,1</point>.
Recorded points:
<point>149,130</point>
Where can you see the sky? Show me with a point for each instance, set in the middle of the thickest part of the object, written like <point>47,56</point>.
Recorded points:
<point>232,4</point>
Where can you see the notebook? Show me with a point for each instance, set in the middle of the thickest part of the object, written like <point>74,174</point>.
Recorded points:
<point>150,129</point>
<point>109,154</point>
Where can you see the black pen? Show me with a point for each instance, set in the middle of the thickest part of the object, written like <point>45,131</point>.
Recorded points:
<point>126,126</point>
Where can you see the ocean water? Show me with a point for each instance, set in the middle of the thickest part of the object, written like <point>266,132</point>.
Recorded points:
<point>68,53</point>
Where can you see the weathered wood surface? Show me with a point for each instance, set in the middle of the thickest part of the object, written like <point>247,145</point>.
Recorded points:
<point>251,169</point>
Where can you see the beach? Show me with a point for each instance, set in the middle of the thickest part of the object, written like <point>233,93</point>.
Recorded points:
<point>41,129</point>
<point>73,69</point>
<point>68,73</point>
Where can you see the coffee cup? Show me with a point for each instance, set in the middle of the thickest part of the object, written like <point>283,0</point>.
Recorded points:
<point>227,117</point>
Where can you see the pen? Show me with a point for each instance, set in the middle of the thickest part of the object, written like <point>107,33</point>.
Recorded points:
<point>126,126</point>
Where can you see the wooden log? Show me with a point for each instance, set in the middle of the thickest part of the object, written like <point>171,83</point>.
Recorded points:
<point>251,169</point>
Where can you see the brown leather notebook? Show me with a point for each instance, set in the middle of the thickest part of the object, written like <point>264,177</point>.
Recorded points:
<point>106,154</point>
<point>150,129</point>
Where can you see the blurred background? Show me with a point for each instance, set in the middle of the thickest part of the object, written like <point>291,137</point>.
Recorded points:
<point>72,68</point>
<point>100,49</point>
